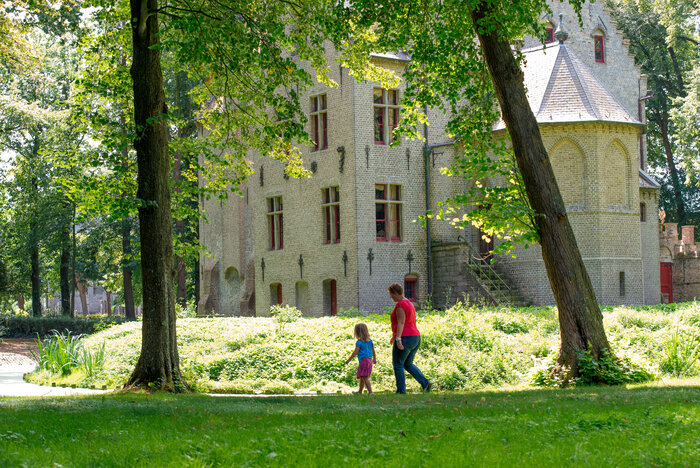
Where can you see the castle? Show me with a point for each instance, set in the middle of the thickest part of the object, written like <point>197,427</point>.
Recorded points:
<point>338,239</point>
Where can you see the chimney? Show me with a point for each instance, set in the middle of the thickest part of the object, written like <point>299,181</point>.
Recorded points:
<point>688,235</point>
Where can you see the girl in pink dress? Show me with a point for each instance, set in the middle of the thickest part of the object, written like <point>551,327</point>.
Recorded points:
<point>364,350</point>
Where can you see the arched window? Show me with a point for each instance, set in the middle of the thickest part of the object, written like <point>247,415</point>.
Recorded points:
<point>599,47</point>
<point>642,212</point>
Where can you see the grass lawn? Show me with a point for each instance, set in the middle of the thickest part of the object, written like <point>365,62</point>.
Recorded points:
<point>647,425</point>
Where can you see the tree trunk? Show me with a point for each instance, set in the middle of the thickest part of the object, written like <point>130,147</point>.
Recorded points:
<point>675,180</point>
<point>20,301</point>
<point>82,290</point>
<point>129,310</point>
<point>72,263</point>
<point>64,269</point>
<point>159,363</point>
<point>580,319</point>
<point>35,274</point>
<point>109,303</point>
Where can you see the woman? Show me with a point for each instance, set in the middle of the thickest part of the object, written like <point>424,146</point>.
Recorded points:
<point>406,340</point>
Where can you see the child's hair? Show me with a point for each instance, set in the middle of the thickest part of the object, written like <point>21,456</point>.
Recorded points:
<point>361,332</point>
<point>395,289</point>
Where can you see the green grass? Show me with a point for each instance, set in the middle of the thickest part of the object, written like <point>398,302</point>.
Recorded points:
<point>651,425</point>
<point>464,349</point>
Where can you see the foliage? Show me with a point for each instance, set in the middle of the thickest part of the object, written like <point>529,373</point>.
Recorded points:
<point>600,426</point>
<point>664,40</point>
<point>62,353</point>
<point>285,314</point>
<point>27,326</point>
<point>189,310</point>
<point>351,312</point>
<point>463,349</point>
<point>609,370</point>
<point>681,353</point>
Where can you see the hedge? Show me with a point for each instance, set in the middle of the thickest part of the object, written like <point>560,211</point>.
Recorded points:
<point>14,326</point>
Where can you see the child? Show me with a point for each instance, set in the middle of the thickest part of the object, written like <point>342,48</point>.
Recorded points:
<point>364,350</point>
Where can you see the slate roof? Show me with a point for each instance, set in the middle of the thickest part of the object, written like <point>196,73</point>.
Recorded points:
<point>647,181</point>
<point>560,88</point>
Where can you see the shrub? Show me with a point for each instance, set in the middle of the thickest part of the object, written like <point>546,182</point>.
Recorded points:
<point>61,353</point>
<point>351,312</point>
<point>18,326</point>
<point>509,326</point>
<point>285,314</point>
<point>189,310</point>
<point>609,370</point>
<point>680,354</point>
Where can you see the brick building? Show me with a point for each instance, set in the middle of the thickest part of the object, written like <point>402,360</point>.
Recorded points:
<point>337,240</point>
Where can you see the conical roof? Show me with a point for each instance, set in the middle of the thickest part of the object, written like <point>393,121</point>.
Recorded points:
<point>560,88</point>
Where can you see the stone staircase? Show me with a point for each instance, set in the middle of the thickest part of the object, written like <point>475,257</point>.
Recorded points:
<point>494,285</point>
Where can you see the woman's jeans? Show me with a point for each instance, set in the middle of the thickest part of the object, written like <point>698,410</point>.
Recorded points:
<point>403,360</point>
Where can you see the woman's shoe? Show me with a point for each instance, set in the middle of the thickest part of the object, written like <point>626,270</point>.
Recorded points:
<point>428,387</point>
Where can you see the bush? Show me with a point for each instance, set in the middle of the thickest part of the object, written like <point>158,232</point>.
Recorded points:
<point>29,327</point>
<point>680,354</point>
<point>62,353</point>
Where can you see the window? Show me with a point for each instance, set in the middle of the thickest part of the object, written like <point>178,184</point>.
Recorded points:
<point>599,48</point>
<point>275,223</point>
<point>386,114</point>
<point>331,215</point>
<point>642,212</point>
<point>622,284</point>
<point>319,121</point>
<point>275,294</point>
<point>388,212</point>
<point>410,289</point>
<point>548,37</point>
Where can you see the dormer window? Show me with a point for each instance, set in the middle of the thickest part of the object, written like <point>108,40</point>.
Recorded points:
<point>599,48</point>
<point>548,36</point>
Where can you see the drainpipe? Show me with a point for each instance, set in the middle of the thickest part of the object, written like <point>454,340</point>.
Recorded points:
<point>642,162</point>
<point>426,157</point>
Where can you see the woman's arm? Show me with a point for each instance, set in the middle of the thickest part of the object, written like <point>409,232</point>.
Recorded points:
<point>400,322</point>
<point>374,355</point>
<point>354,353</point>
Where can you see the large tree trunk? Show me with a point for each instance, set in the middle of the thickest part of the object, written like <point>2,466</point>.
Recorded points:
<point>64,268</point>
<point>580,319</point>
<point>129,309</point>
<point>159,363</point>
<point>675,180</point>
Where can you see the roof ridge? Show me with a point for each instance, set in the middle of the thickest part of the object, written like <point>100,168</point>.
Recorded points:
<point>550,84</point>
<point>583,94</point>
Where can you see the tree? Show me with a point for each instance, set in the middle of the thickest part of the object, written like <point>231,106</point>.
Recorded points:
<point>668,65</point>
<point>251,58</point>
<point>461,57</point>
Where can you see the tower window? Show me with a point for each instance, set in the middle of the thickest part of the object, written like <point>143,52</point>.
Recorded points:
<point>599,48</point>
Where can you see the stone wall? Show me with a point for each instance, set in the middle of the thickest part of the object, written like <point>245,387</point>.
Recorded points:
<point>684,253</point>
<point>452,278</point>
<point>603,209</point>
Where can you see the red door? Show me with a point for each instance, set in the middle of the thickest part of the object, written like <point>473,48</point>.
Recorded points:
<point>667,280</point>
<point>334,299</point>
